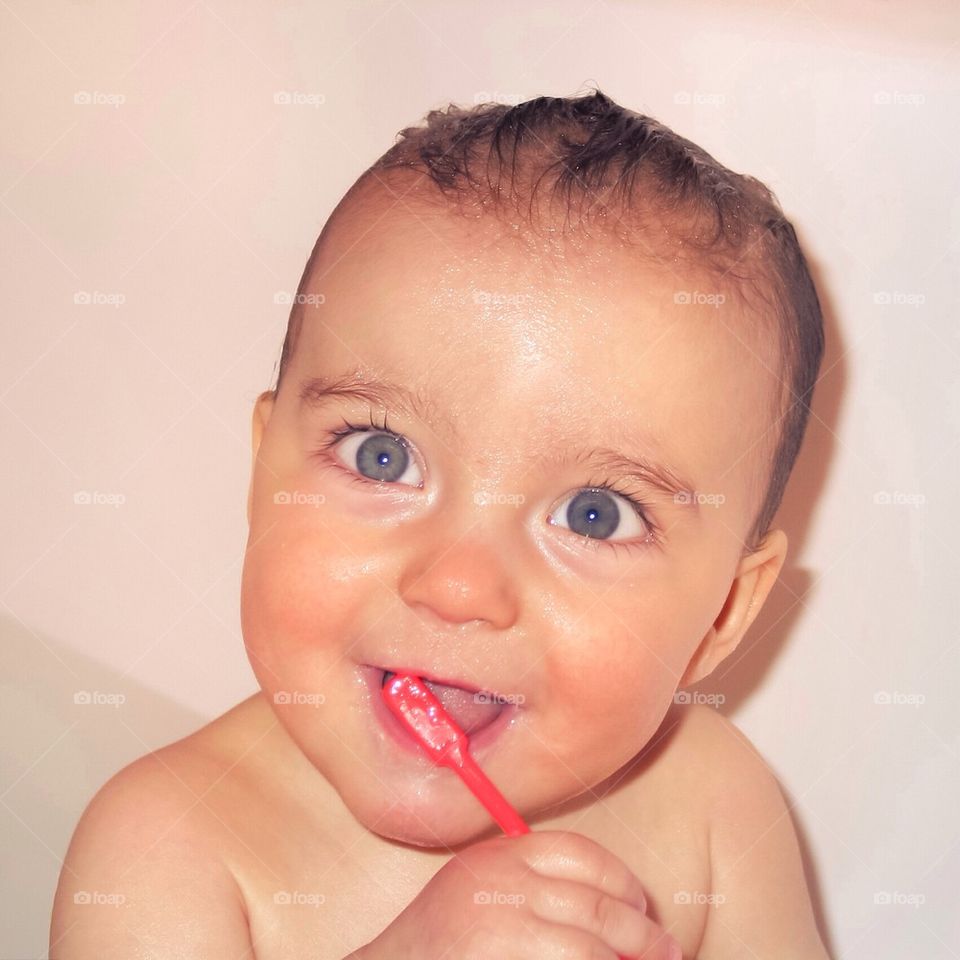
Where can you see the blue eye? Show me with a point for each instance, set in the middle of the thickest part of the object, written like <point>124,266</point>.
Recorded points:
<point>598,512</point>
<point>380,457</point>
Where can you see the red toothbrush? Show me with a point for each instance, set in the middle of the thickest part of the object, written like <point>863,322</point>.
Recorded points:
<point>416,707</point>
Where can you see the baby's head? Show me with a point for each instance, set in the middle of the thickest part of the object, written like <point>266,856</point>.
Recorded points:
<point>543,384</point>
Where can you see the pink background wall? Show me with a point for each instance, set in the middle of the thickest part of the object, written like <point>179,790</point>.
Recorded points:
<point>159,199</point>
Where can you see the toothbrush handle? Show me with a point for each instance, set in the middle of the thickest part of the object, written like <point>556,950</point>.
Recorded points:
<point>483,788</point>
<point>509,821</point>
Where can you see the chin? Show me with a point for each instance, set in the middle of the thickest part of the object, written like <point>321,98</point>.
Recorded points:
<point>431,831</point>
<point>416,834</point>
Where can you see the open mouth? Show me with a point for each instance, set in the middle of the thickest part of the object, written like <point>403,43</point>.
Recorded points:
<point>471,709</point>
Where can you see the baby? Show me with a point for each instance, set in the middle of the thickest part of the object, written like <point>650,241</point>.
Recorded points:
<point>546,376</point>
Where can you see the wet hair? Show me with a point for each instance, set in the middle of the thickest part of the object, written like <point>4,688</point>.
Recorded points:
<point>588,162</point>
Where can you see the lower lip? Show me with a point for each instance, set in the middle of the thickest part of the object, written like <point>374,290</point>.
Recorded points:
<point>479,742</point>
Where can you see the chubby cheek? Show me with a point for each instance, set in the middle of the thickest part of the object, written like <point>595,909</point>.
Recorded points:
<point>302,590</point>
<point>622,679</point>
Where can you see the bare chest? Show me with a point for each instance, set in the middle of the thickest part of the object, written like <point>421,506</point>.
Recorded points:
<point>316,897</point>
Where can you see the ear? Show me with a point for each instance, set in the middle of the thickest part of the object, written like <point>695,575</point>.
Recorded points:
<point>753,581</point>
<point>261,416</point>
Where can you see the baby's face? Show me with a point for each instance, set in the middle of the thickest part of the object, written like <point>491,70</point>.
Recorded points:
<point>478,548</point>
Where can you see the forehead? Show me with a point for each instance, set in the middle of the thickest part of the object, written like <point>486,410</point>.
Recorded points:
<point>514,338</point>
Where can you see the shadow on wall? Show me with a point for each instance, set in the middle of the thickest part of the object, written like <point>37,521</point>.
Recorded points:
<point>69,724</point>
<point>746,668</point>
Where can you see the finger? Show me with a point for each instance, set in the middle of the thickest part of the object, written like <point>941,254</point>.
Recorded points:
<point>572,856</point>
<point>555,941</point>
<point>622,927</point>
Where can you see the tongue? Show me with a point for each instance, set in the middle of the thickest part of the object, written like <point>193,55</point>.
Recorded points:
<point>468,708</point>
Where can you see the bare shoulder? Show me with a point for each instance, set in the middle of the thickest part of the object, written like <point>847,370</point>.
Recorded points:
<point>733,779</point>
<point>760,903</point>
<point>699,751</point>
<point>709,744</point>
<point>144,874</point>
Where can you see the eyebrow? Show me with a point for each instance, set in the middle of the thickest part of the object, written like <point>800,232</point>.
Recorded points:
<point>356,385</point>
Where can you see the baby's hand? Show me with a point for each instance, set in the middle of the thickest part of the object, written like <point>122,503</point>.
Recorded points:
<point>545,894</point>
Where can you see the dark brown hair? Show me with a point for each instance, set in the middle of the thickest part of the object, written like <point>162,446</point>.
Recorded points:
<point>646,186</point>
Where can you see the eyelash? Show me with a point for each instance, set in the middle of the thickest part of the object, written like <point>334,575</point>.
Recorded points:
<point>637,505</point>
